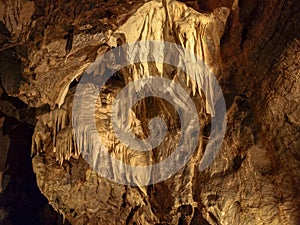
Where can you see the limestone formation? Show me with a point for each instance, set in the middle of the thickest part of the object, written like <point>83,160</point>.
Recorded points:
<point>251,47</point>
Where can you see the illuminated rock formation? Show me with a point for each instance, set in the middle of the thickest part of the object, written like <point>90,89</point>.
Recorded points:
<point>251,47</point>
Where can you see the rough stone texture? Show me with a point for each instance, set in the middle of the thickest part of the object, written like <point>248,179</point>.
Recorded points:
<point>255,54</point>
<point>21,201</point>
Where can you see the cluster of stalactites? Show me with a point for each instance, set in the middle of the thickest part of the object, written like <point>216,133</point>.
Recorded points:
<point>173,21</point>
<point>55,124</point>
<point>170,21</point>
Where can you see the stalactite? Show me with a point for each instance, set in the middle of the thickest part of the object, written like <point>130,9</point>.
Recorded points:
<point>174,22</point>
<point>57,123</point>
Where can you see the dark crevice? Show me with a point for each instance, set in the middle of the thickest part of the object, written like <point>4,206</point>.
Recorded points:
<point>69,38</point>
<point>185,209</point>
<point>207,130</point>
<point>198,218</point>
<point>237,162</point>
<point>245,32</point>
<point>131,214</point>
<point>22,199</point>
<point>212,216</point>
<point>182,220</point>
<point>124,197</point>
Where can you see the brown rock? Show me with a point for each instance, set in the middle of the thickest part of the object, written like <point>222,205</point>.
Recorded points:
<point>253,49</point>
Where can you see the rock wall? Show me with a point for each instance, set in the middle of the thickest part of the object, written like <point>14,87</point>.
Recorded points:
<point>252,47</point>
